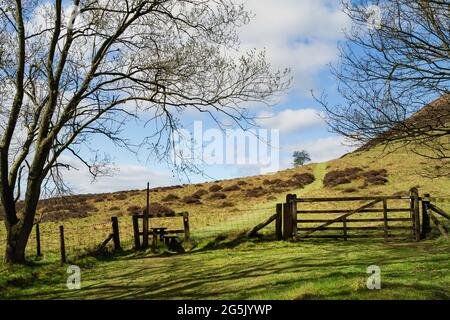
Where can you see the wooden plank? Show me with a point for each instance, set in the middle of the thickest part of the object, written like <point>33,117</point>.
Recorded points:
<point>262,225</point>
<point>356,228</point>
<point>385,220</point>
<point>344,211</point>
<point>439,211</point>
<point>343,199</point>
<point>441,228</point>
<point>278,221</point>
<point>359,236</point>
<point>115,234</point>
<point>368,205</point>
<point>356,220</point>
<point>162,215</point>
<point>174,231</point>
<point>102,246</point>
<point>62,245</point>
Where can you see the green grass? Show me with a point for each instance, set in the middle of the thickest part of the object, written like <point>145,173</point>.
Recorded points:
<point>250,270</point>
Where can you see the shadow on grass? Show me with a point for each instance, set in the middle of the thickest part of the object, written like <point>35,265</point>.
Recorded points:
<point>244,275</point>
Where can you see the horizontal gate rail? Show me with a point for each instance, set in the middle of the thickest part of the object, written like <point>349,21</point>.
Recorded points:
<point>358,220</point>
<point>339,219</point>
<point>344,199</point>
<point>358,228</point>
<point>356,236</point>
<point>345,211</point>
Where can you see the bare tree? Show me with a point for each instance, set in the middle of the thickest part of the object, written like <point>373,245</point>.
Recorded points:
<point>394,76</point>
<point>68,73</point>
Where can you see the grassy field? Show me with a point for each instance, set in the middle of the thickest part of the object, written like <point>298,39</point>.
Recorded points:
<point>250,270</point>
<point>247,269</point>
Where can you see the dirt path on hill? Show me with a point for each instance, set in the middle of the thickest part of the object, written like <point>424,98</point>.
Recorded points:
<point>319,172</point>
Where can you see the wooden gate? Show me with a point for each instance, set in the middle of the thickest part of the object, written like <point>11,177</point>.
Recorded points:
<point>352,217</point>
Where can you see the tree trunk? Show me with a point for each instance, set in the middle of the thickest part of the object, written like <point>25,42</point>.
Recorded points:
<point>19,232</point>
<point>15,247</point>
<point>18,235</point>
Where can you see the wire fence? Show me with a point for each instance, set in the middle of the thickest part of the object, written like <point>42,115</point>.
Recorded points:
<point>81,238</point>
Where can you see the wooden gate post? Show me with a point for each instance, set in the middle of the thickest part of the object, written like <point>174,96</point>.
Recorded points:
<point>294,216</point>
<point>415,213</point>
<point>62,245</point>
<point>137,240</point>
<point>425,216</point>
<point>116,235</point>
<point>187,233</point>
<point>287,221</point>
<point>278,222</point>
<point>38,241</point>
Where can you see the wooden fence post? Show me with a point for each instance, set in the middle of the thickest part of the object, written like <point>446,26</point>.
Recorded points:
<point>137,241</point>
<point>187,233</point>
<point>145,220</point>
<point>385,219</point>
<point>294,216</point>
<point>62,245</point>
<point>415,213</point>
<point>287,221</point>
<point>278,222</point>
<point>425,216</point>
<point>38,241</point>
<point>116,235</point>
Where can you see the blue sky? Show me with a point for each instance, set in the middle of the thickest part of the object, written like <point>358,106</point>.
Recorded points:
<point>299,34</point>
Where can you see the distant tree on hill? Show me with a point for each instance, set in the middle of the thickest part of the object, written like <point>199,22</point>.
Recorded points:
<point>72,70</point>
<point>390,68</point>
<point>300,158</point>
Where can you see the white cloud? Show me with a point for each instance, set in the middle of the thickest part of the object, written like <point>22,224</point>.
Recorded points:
<point>126,177</point>
<point>290,120</point>
<point>300,34</point>
<point>323,149</point>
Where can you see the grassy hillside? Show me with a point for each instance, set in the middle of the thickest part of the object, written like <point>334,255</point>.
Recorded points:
<point>227,268</point>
